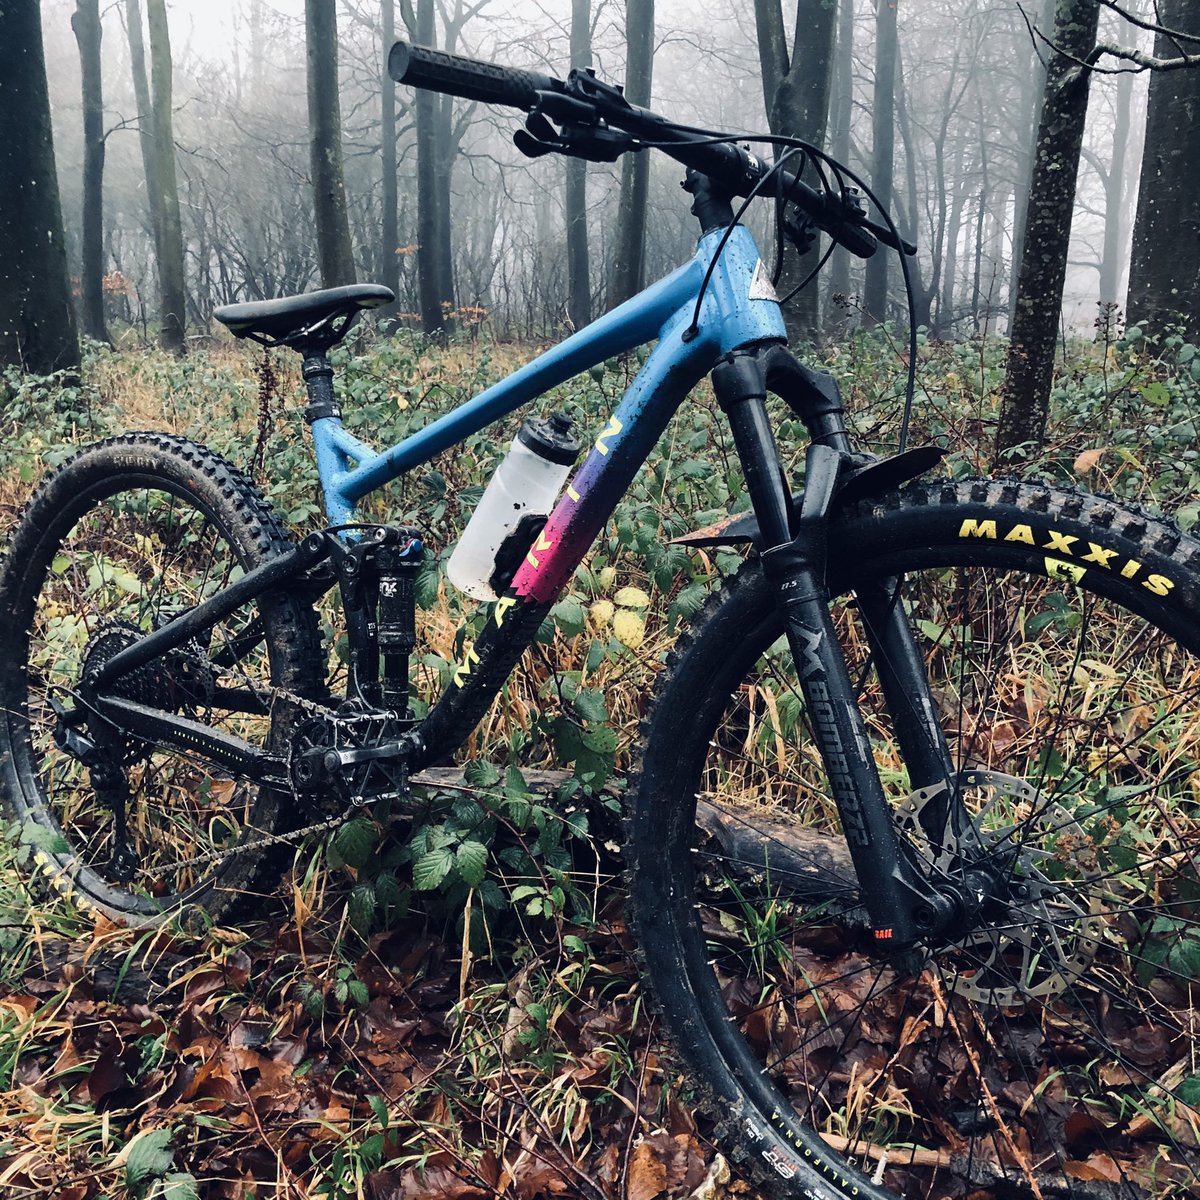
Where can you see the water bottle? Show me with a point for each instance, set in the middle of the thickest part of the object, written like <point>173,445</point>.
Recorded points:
<point>525,485</point>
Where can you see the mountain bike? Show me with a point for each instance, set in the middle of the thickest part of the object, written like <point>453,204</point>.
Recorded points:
<point>911,823</point>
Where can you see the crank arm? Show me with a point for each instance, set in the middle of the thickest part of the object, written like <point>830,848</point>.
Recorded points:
<point>335,760</point>
<point>191,737</point>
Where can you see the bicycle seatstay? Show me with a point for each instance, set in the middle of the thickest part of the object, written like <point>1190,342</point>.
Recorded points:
<point>349,469</point>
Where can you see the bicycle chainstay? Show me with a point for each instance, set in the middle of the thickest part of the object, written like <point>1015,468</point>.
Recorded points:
<point>310,715</point>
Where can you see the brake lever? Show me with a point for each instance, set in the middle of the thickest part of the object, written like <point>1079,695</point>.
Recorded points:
<point>800,229</point>
<point>595,143</point>
<point>530,146</point>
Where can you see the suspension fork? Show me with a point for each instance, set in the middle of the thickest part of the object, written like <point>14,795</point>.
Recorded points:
<point>901,903</point>
<point>904,681</point>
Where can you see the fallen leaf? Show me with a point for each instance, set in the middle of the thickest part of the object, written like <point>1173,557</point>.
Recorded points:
<point>647,1173</point>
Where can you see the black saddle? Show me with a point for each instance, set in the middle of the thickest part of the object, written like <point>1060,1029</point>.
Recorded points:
<point>309,320</point>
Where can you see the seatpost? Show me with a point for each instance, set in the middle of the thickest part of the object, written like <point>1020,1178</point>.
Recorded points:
<point>318,382</point>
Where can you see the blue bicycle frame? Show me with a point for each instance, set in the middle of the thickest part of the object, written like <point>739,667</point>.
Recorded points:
<point>738,309</point>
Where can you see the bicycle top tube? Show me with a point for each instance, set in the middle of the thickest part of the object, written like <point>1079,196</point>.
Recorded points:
<point>739,308</point>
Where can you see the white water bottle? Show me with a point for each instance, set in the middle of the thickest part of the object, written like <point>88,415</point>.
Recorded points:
<point>526,484</point>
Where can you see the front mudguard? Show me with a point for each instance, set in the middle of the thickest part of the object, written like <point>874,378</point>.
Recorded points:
<point>870,479</point>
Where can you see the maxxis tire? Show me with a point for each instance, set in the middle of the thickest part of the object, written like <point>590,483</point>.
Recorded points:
<point>1144,564</point>
<point>223,496</point>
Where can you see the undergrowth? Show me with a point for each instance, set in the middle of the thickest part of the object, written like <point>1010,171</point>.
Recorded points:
<point>446,1007</point>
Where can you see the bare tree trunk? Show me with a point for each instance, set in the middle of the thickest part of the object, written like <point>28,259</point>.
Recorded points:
<point>445,148</point>
<point>796,90</point>
<point>145,111</point>
<point>37,322</point>
<point>172,296</point>
<point>1031,120</point>
<point>389,262</point>
<point>980,222</point>
<point>1164,277</point>
<point>579,285</point>
<point>1112,258</point>
<point>923,293</point>
<point>944,326</point>
<point>1025,400</point>
<point>628,273</point>
<point>883,140</point>
<point>334,249</point>
<point>434,271</point>
<point>85,21</point>
<point>842,111</point>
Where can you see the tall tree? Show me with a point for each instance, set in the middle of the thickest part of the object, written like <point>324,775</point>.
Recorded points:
<point>1164,276</point>
<point>1025,398</point>
<point>134,32</point>
<point>628,269</point>
<point>579,284</point>
<point>1116,189</point>
<point>389,272</point>
<point>1030,100</point>
<point>432,222</point>
<point>796,90</point>
<point>439,127</point>
<point>334,249</point>
<point>841,113</point>
<point>85,21</point>
<point>883,141</point>
<point>161,182</point>
<point>37,322</point>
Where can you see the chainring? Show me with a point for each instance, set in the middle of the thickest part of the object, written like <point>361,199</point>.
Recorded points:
<point>358,783</point>
<point>1045,938</point>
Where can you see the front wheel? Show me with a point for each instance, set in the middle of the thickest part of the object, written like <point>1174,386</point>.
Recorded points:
<point>1045,1048</point>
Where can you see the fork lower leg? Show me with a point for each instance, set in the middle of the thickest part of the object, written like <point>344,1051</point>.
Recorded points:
<point>901,904</point>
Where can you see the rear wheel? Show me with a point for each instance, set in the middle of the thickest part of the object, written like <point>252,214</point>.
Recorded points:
<point>1047,1047</point>
<point>128,534</point>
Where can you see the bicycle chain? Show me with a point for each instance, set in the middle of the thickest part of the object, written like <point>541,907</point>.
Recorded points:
<point>217,857</point>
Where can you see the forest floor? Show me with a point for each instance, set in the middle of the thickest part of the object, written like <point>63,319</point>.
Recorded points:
<point>473,1036</point>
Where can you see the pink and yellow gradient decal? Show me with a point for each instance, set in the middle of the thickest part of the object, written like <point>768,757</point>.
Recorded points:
<point>572,527</point>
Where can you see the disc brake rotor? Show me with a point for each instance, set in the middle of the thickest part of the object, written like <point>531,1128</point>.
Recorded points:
<point>1043,931</point>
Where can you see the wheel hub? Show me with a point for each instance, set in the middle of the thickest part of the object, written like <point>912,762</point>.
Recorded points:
<point>1012,869</point>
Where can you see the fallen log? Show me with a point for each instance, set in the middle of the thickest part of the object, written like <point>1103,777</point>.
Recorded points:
<point>761,845</point>
<point>803,862</point>
<point>806,863</point>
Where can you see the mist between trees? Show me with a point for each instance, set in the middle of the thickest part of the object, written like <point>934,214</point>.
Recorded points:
<point>230,134</point>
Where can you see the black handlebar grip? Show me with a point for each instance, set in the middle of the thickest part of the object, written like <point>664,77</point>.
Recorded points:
<point>469,78</point>
<point>859,241</point>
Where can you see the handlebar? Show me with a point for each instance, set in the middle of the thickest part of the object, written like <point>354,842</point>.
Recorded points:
<point>585,100</point>
<point>456,75</point>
